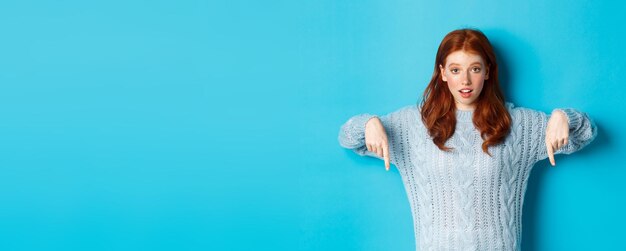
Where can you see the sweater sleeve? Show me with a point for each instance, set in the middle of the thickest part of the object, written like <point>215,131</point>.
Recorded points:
<point>352,133</point>
<point>582,130</point>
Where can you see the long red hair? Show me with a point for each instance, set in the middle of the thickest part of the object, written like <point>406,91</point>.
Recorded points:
<point>438,110</point>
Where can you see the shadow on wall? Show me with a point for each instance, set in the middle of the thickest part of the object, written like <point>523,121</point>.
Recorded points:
<point>530,222</point>
<point>514,54</point>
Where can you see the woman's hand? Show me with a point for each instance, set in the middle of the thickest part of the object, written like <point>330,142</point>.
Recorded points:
<point>376,139</point>
<point>557,133</point>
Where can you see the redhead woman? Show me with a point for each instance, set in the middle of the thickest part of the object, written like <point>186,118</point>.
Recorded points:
<point>464,154</point>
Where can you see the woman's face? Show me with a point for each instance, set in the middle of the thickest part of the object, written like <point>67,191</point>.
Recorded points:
<point>465,74</point>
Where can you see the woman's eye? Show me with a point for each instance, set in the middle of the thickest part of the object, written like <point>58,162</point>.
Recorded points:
<point>454,70</point>
<point>476,69</point>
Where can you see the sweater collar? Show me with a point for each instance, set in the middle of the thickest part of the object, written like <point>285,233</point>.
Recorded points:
<point>467,116</point>
<point>464,116</point>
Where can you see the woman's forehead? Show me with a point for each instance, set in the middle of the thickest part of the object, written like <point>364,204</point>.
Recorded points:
<point>463,57</point>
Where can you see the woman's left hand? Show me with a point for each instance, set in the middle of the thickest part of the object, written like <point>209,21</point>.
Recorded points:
<point>557,133</point>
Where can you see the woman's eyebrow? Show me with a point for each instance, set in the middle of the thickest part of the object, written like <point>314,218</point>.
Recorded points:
<point>477,62</point>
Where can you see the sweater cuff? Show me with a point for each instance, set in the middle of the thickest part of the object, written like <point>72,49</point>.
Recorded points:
<point>361,120</point>
<point>353,131</point>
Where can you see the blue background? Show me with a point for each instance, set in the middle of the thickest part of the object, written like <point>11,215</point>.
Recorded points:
<point>206,125</point>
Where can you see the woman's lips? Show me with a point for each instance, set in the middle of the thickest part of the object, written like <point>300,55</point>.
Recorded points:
<point>466,94</point>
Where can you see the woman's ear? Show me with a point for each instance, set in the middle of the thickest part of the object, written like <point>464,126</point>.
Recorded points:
<point>443,76</point>
<point>487,72</point>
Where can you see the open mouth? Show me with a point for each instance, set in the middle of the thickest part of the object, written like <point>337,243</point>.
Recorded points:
<point>466,93</point>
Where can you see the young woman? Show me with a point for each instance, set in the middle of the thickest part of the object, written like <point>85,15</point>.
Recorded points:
<point>464,154</point>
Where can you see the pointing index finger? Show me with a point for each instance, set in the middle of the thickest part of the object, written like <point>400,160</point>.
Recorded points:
<point>550,153</point>
<point>386,156</point>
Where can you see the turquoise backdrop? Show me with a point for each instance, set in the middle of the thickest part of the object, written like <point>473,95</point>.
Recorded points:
<point>212,125</point>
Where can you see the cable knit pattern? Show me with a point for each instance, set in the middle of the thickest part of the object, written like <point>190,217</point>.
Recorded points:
<point>464,199</point>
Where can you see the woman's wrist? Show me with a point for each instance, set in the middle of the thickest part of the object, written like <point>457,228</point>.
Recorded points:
<point>562,113</point>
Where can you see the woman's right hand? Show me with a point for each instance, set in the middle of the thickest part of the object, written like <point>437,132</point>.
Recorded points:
<point>376,139</point>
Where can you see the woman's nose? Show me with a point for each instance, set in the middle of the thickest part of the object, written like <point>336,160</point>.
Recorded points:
<point>465,79</point>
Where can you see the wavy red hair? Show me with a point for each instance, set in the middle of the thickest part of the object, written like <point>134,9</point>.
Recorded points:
<point>438,110</point>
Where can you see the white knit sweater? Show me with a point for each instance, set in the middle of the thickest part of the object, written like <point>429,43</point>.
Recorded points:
<point>465,199</point>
